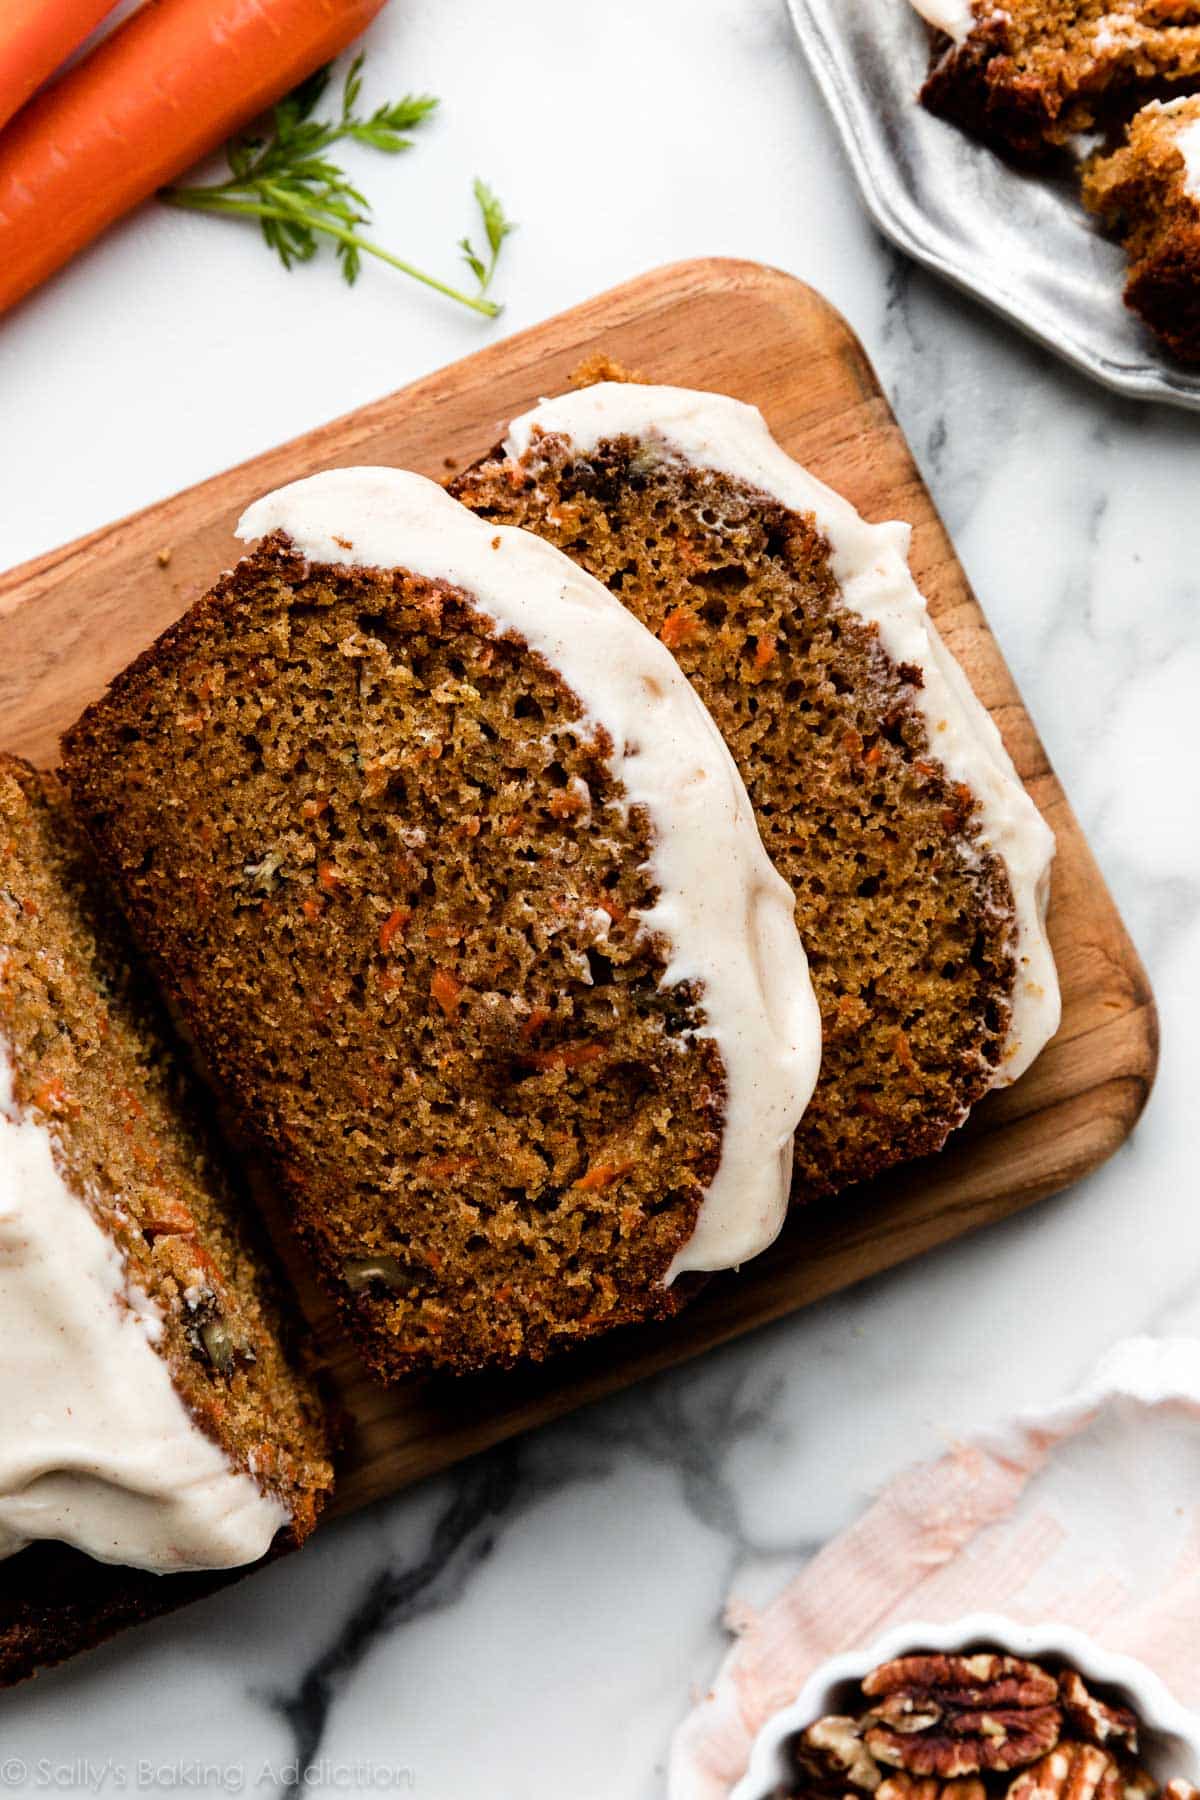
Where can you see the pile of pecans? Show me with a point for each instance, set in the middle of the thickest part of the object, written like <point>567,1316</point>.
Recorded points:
<point>978,1727</point>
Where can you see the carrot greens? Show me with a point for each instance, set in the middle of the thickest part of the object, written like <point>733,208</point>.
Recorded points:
<point>281,175</point>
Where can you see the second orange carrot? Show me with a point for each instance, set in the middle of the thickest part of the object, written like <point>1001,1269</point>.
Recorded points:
<point>165,88</point>
<point>36,37</point>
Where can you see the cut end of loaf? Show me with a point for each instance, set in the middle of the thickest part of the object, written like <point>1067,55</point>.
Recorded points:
<point>90,1061</point>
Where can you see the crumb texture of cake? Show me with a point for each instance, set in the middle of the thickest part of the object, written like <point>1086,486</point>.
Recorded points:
<point>919,865</point>
<point>1148,193</point>
<point>148,1415</point>
<point>982,1725</point>
<point>1030,74</point>
<point>461,895</point>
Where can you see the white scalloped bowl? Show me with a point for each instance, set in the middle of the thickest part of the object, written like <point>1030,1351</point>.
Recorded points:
<point>1171,1738</point>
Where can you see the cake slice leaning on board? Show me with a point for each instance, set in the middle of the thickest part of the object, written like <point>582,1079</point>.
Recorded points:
<point>150,1412</point>
<point>463,900</point>
<point>919,865</point>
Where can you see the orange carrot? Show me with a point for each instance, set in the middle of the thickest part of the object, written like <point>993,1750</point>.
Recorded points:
<point>446,989</point>
<point>165,88</point>
<point>52,1097</point>
<point>601,1175</point>
<point>35,37</point>
<point>395,921</point>
<point>679,627</point>
<point>566,1056</point>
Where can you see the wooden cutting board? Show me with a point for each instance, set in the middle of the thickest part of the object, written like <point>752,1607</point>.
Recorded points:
<point>71,619</point>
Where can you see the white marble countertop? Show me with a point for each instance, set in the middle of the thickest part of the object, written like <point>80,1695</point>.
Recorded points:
<point>530,1627</point>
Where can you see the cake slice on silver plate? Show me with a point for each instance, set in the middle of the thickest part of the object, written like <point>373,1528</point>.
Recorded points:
<point>1028,75</point>
<point>1148,193</point>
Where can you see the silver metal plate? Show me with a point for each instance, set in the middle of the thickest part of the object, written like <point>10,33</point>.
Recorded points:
<point>1020,243</point>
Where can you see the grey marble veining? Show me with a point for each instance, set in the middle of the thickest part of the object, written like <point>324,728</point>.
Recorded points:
<point>530,1627</point>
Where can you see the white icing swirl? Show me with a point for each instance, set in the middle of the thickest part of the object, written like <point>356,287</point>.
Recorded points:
<point>870,564</point>
<point>97,1449</point>
<point>724,911</point>
<point>955,17</point>
<point>1183,121</point>
<point>1187,142</point>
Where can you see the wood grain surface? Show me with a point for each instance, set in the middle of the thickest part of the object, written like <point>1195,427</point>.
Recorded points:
<point>71,619</point>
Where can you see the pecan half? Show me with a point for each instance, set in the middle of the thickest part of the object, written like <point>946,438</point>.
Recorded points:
<point>832,1760</point>
<point>952,1716</point>
<point>913,1787</point>
<point>1095,1720</point>
<point>1070,1772</point>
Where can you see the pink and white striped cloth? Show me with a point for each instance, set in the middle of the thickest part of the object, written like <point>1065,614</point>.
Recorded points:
<point>1087,1513</point>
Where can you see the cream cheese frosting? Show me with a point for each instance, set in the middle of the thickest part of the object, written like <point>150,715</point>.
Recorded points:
<point>954,17</point>
<point>1187,142</point>
<point>1186,136</point>
<point>97,1449</point>
<point>725,913</point>
<point>870,564</point>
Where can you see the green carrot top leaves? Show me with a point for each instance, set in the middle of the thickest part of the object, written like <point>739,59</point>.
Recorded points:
<point>496,228</point>
<point>296,136</point>
<point>281,175</point>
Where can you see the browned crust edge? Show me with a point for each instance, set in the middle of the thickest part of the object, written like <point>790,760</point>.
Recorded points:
<point>56,1602</point>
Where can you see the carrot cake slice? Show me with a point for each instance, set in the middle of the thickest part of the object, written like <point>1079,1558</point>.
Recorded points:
<point>1148,192</point>
<point>918,864</point>
<point>1027,75</point>
<point>461,895</point>
<point>150,1415</point>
